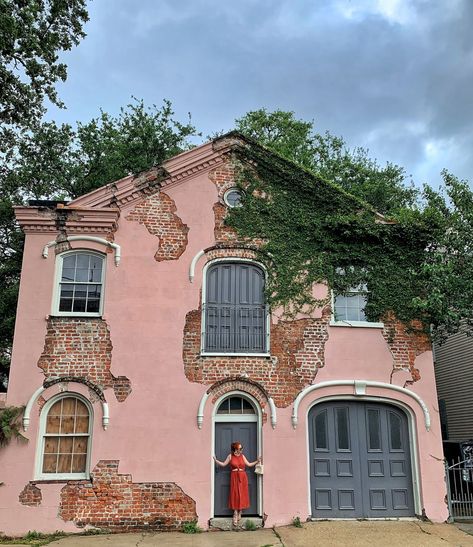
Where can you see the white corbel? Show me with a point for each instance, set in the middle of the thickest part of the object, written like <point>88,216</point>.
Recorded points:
<point>193,265</point>
<point>114,246</point>
<point>200,412</point>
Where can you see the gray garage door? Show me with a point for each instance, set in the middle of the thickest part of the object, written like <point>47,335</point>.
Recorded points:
<point>360,461</point>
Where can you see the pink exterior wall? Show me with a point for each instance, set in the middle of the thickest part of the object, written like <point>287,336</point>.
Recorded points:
<point>154,433</point>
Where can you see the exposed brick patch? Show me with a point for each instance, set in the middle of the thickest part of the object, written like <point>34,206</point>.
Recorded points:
<point>297,352</point>
<point>30,495</point>
<point>81,347</point>
<point>405,345</point>
<point>231,252</point>
<point>41,401</point>
<point>245,385</point>
<point>224,177</point>
<point>113,502</point>
<point>157,213</point>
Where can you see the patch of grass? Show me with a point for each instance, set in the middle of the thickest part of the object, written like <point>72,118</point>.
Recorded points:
<point>33,538</point>
<point>191,527</point>
<point>250,526</point>
<point>38,538</point>
<point>296,522</point>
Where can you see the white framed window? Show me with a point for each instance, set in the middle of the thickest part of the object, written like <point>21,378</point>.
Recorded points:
<point>232,197</point>
<point>64,440</point>
<point>348,309</point>
<point>79,285</point>
<point>235,316</point>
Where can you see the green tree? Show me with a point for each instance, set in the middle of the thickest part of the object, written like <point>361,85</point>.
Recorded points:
<point>33,33</point>
<point>62,162</point>
<point>322,225</point>
<point>328,156</point>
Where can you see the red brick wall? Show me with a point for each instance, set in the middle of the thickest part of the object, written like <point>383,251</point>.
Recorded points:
<point>113,502</point>
<point>81,347</point>
<point>405,345</point>
<point>297,352</point>
<point>157,213</point>
<point>30,495</point>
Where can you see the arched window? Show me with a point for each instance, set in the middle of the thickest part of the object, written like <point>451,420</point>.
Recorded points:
<point>65,430</point>
<point>236,405</point>
<point>234,309</point>
<point>80,277</point>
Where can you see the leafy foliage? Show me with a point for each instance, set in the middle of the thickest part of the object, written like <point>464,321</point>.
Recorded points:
<point>32,34</point>
<point>61,162</point>
<point>320,225</point>
<point>10,424</point>
<point>191,527</point>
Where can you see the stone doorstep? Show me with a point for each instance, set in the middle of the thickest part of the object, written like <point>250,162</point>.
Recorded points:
<point>225,523</point>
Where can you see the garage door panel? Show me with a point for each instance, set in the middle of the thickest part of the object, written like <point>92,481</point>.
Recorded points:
<point>360,465</point>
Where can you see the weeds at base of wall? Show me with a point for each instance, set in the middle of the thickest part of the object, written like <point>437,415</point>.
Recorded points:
<point>38,538</point>
<point>296,522</point>
<point>191,528</point>
<point>250,526</point>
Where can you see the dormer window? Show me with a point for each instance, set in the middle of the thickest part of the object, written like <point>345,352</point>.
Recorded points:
<point>80,277</point>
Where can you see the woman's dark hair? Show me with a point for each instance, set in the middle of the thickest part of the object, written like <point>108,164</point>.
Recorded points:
<point>235,445</point>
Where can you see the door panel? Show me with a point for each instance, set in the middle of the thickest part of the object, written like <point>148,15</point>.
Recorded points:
<point>225,434</point>
<point>360,461</point>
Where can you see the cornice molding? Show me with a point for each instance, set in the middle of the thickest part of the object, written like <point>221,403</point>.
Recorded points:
<point>67,218</point>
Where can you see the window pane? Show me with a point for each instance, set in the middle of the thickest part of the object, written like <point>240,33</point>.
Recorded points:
<point>374,432</point>
<point>248,407</point>
<point>79,305</point>
<point>51,445</point>
<point>64,463</point>
<point>69,261</point>
<point>93,306</point>
<point>80,445</point>
<point>69,406</point>
<point>395,431</point>
<point>95,268</point>
<point>49,463</point>
<point>235,405</point>
<point>82,424</point>
<point>321,430</point>
<point>343,429</point>
<point>79,463</point>
<point>83,261</point>
<point>52,424</point>
<point>67,274</point>
<point>224,407</point>
<point>82,275</point>
<point>65,445</point>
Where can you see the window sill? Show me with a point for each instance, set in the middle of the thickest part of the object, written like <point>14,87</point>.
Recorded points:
<point>221,354</point>
<point>357,324</point>
<point>76,314</point>
<point>60,480</point>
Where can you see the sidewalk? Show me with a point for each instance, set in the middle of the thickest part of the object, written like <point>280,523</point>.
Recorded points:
<point>330,533</point>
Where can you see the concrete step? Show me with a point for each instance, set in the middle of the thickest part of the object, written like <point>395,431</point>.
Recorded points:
<point>225,523</point>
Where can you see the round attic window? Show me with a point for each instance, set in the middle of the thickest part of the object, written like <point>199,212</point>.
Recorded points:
<point>232,197</point>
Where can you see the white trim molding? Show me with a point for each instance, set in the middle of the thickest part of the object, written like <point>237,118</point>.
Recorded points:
<point>109,244</point>
<point>359,390</point>
<point>193,265</point>
<point>40,391</point>
<point>205,396</point>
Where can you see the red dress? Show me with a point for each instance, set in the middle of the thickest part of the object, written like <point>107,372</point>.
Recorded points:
<point>238,498</point>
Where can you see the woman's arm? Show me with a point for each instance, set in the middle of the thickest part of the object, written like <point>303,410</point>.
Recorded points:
<point>251,464</point>
<point>223,464</point>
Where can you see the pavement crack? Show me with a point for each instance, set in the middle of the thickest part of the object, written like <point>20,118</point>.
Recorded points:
<point>143,535</point>
<point>276,533</point>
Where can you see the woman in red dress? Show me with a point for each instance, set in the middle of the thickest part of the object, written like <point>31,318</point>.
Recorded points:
<point>238,498</point>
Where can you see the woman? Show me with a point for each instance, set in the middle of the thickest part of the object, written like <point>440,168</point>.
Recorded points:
<point>238,498</point>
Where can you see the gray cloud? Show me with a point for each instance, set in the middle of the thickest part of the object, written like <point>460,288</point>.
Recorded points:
<point>392,75</point>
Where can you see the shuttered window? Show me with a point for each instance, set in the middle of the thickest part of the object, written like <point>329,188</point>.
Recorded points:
<point>66,439</point>
<point>234,310</point>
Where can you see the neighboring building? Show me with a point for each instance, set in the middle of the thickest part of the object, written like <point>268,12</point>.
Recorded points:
<point>454,377</point>
<point>143,346</point>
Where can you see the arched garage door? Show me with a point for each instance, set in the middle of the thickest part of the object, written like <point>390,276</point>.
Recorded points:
<point>359,461</point>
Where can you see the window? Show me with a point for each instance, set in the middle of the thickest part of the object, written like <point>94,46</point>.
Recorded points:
<point>350,306</point>
<point>234,312</point>
<point>232,197</point>
<point>80,285</point>
<point>349,309</point>
<point>65,435</point>
<point>236,405</point>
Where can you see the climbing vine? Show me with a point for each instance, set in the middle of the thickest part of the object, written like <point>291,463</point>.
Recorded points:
<point>415,264</point>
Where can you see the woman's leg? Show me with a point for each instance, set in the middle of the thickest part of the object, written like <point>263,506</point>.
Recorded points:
<point>235,517</point>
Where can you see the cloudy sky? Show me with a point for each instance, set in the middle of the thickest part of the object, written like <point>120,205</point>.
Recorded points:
<point>394,76</point>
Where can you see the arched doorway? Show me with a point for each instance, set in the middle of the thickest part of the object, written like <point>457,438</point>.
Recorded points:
<point>360,463</point>
<point>236,419</point>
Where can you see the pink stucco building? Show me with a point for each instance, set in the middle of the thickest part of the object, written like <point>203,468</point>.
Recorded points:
<point>143,346</point>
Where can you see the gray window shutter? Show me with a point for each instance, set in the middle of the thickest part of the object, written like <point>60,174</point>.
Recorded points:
<point>235,313</point>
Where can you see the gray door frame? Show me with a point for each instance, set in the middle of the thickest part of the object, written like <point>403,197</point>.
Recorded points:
<point>413,443</point>
<point>235,418</point>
